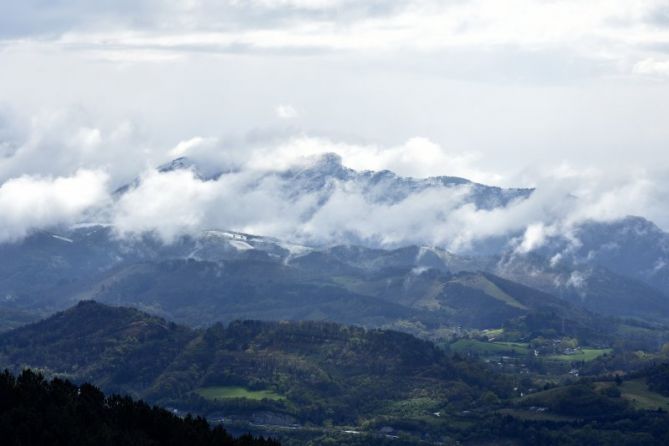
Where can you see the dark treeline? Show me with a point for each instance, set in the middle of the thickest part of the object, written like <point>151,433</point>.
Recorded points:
<point>629,429</point>
<point>657,378</point>
<point>34,411</point>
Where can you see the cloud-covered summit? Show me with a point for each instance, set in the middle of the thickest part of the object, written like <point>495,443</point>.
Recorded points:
<point>71,167</point>
<point>567,97</point>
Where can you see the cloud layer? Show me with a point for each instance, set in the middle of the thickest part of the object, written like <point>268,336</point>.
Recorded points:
<point>255,196</point>
<point>63,168</point>
<point>567,96</point>
<point>30,203</point>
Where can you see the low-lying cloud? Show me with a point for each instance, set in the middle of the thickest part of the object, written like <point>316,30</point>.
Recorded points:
<point>30,203</point>
<point>58,171</point>
<point>256,197</point>
<point>60,142</point>
<point>417,157</point>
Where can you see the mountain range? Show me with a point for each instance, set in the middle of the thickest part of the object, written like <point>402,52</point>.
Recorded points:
<point>615,269</point>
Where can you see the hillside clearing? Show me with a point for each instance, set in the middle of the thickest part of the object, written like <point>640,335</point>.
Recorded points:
<point>227,392</point>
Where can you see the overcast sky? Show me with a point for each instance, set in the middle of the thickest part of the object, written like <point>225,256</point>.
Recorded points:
<point>511,93</point>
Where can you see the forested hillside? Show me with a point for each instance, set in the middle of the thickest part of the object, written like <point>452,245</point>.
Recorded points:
<point>312,383</point>
<point>34,411</point>
<point>312,371</point>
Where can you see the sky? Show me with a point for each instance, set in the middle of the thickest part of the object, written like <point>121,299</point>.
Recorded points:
<point>561,95</point>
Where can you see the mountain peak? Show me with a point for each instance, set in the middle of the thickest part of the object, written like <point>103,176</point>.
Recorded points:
<point>182,162</point>
<point>329,164</point>
<point>330,158</point>
<point>202,171</point>
<point>318,171</point>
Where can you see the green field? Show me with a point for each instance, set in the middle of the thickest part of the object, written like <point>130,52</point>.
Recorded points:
<point>489,348</point>
<point>226,392</point>
<point>518,348</point>
<point>493,332</point>
<point>586,354</point>
<point>638,393</point>
<point>534,416</point>
<point>481,283</point>
<point>415,406</point>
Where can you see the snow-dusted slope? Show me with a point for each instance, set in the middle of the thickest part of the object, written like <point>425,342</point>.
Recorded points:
<point>618,267</point>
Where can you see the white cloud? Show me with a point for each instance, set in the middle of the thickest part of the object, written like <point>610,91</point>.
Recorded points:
<point>652,67</point>
<point>174,203</point>
<point>535,236</point>
<point>599,30</point>
<point>170,204</point>
<point>418,157</point>
<point>61,141</point>
<point>184,148</point>
<point>255,200</point>
<point>420,219</point>
<point>286,111</point>
<point>30,203</point>
<point>250,197</point>
<point>478,89</point>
